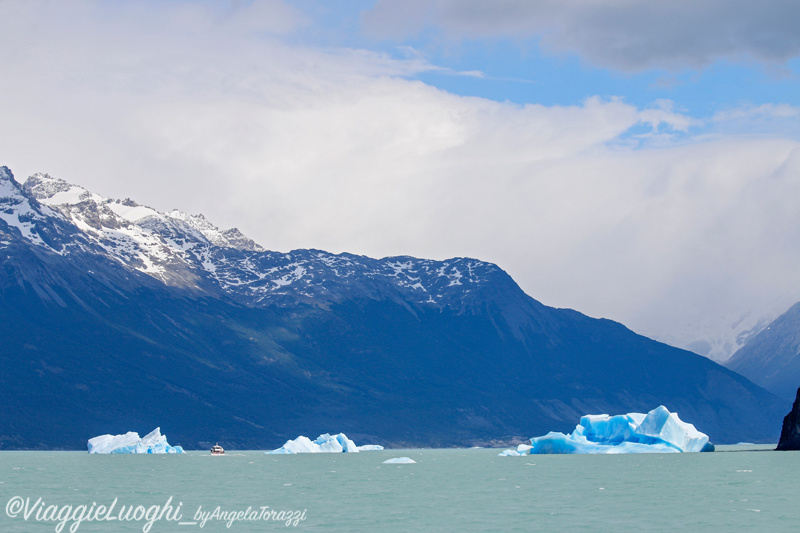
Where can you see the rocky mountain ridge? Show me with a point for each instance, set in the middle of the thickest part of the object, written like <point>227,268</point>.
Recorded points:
<point>185,250</point>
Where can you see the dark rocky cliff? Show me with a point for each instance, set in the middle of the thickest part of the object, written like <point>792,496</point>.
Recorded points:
<point>790,434</point>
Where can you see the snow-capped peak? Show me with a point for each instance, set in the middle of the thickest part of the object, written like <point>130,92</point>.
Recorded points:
<point>232,238</point>
<point>136,235</point>
<point>55,191</point>
<point>17,211</point>
<point>5,174</point>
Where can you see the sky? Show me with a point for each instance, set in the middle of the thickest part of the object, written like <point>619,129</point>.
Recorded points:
<point>637,160</point>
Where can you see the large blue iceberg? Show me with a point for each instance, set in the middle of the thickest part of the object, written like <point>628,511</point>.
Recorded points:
<point>659,431</point>
<point>324,444</point>
<point>153,442</point>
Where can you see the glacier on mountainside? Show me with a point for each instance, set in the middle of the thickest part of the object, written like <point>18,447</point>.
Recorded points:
<point>325,443</point>
<point>153,442</point>
<point>658,431</point>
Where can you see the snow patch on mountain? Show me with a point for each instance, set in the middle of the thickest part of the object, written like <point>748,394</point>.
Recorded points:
<point>131,211</point>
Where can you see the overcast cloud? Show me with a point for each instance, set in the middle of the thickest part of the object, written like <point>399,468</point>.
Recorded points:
<point>629,35</point>
<point>677,226</point>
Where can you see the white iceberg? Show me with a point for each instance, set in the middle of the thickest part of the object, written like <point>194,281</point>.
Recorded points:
<point>324,444</point>
<point>400,461</point>
<point>370,448</point>
<point>153,442</point>
<point>659,431</point>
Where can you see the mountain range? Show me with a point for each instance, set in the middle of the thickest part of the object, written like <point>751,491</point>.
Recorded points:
<point>116,317</point>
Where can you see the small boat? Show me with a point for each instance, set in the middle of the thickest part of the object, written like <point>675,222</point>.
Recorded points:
<point>217,450</point>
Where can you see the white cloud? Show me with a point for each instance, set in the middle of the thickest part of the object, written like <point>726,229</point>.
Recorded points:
<point>338,150</point>
<point>630,35</point>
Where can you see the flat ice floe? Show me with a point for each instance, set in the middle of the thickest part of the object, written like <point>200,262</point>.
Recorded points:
<point>325,443</point>
<point>400,461</point>
<point>153,442</point>
<point>658,431</point>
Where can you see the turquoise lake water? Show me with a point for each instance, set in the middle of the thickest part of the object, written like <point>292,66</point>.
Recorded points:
<point>739,488</point>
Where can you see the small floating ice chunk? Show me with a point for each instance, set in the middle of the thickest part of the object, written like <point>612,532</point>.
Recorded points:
<point>153,442</point>
<point>510,453</point>
<point>370,448</point>
<point>399,461</point>
<point>522,449</point>
<point>325,443</point>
